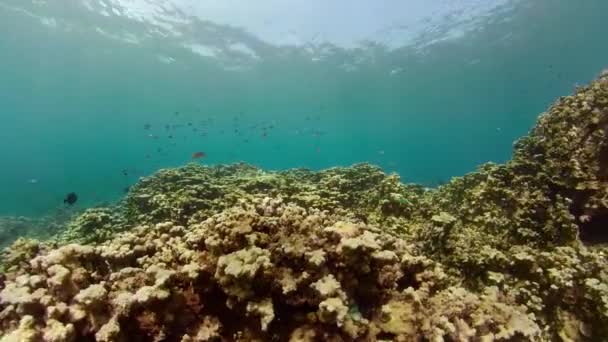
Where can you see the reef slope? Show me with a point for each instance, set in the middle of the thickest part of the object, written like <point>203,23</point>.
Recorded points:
<point>510,252</point>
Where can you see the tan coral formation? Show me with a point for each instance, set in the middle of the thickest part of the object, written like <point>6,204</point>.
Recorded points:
<point>173,287</point>
<point>233,253</point>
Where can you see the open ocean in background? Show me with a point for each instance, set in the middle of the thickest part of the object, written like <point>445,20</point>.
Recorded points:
<point>88,89</point>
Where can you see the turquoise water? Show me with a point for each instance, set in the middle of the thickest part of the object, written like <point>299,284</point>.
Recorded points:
<point>79,87</point>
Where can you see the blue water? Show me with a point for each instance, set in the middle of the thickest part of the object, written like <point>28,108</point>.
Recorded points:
<point>74,102</point>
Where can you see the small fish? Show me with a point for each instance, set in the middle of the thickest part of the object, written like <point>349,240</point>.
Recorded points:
<point>197,155</point>
<point>189,123</point>
<point>125,172</point>
<point>147,126</point>
<point>33,181</point>
<point>70,198</point>
<point>170,137</point>
<point>126,189</point>
<point>381,152</point>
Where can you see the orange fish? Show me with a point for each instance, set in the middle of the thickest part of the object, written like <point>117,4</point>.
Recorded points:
<point>197,155</point>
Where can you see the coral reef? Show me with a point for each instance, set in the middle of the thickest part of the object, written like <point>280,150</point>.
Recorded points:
<point>95,224</point>
<point>511,252</point>
<point>265,270</point>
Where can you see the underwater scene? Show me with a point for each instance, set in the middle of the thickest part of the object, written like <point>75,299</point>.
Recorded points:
<point>290,170</point>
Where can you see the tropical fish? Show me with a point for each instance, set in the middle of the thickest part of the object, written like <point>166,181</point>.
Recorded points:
<point>197,155</point>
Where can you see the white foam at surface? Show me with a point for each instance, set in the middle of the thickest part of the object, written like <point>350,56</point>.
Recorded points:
<point>318,27</point>
<point>166,59</point>
<point>244,49</point>
<point>202,50</point>
<point>345,23</point>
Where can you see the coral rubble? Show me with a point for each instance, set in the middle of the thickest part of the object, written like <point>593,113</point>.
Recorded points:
<point>510,252</point>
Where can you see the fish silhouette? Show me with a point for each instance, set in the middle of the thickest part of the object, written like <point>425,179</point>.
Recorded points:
<point>70,198</point>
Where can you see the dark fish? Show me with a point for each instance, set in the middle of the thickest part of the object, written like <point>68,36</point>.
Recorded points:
<point>125,172</point>
<point>126,189</point>
<point>197,155</point>
<point>170,137</point>
<point>176,113</point>
<point>189,123</point>
<point>70,198</point>
<point>147,126</point>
